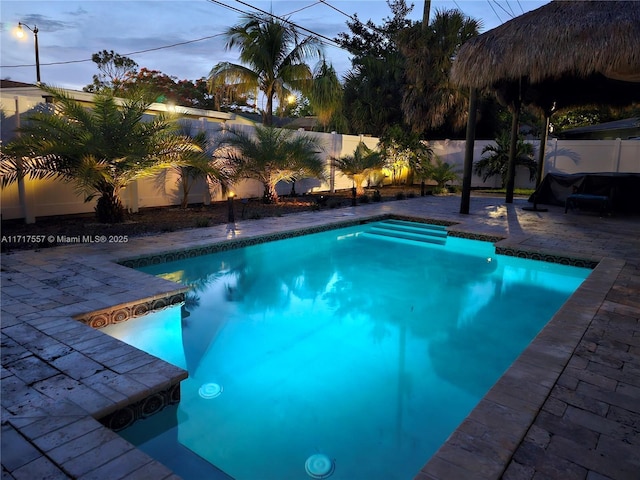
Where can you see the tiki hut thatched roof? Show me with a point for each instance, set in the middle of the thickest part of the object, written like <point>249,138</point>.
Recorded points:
<point>570,52</point>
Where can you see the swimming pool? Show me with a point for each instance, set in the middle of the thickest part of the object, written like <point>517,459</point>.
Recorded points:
<point>353,343</point>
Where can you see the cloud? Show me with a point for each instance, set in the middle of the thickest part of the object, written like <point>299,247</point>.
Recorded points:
<point>78,12</point>
<point>46,24</point>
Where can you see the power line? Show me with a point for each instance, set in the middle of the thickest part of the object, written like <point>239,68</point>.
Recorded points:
<point>351,17</point>
<point>494,11</point>
<point>318,35</point>
<point>513,14</point>
<point>503,9</point>
<point>321,38</point>
<point>137,52</point>
<point>304,8</point>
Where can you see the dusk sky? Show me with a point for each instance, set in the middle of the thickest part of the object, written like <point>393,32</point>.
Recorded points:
<point>71,31</point>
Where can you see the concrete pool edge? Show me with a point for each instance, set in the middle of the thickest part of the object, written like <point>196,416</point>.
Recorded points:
<point>463,449</point>
<point>496,404</point>
<point>484,443</point>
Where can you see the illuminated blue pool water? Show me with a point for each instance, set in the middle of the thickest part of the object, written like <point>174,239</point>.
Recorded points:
<point>366,350</point>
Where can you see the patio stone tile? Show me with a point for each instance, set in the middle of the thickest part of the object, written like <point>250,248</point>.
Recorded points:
<point>126,385</point>
<point>41,468</point>
<point>481,466</point>
<point>554,406</point>
<point>16,392</point>
<point>53,434</point>
<point>627,402</point>
<point>12,350</point>
<point>62,387</point>
<point>441,469</point>
<point>42,426</point>
<point>83,444</point>
<point>161,378</point>
<point>594,422</point>
<point>152,471</point>
<point>16,450</point>
<point>588,376</point>
<point>516,471</point>
<point>559,468</point>
<point>604,462</point>
<point>76,365</point>
<point>20,308</point>
<point>125,464</point>
<point>31,369</point>
<point>80,466</point>
<point>625,417</point>
<point>626,374</point>
<point>567,393</point>
<point>129,361</point>
<point>50,324</point>
<point>16,291</point>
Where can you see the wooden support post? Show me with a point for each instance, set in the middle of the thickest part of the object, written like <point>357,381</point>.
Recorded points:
<point>468,152</point>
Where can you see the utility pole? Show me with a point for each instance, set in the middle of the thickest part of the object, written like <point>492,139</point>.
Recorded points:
<point>425,13</point>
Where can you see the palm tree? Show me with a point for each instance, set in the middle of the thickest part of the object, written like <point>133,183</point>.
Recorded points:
<point>429,98</point>
<point>101,150</point>
<point>325,95</point>
<point>200,165</point>
<point>274,60</point>
<point>420,163</point>
<point>496,163</point>
<point>442,173</point>
<point>359,165</point>
<point>270,156</point>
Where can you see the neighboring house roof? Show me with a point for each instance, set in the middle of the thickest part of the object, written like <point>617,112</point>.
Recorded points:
<point>624,129</point>
<point>5,83</point>
<point>9,88</point>
<point>257,118</point>
<point>306,123</point>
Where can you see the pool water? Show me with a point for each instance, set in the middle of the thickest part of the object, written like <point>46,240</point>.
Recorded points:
<point>367,349</point>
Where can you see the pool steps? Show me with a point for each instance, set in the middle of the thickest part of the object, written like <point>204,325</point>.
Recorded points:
<point>415,232</point>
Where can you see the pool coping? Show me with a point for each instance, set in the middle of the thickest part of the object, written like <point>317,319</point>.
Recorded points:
<point>469,450</point>
<point>34,426</point>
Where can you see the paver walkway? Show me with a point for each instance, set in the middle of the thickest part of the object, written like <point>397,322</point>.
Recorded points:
<point>568,408</point>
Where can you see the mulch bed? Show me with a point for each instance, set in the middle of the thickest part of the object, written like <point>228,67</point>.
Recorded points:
<point>16,235</point>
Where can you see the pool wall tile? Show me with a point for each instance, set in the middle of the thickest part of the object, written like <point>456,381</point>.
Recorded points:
<point>124,312</point>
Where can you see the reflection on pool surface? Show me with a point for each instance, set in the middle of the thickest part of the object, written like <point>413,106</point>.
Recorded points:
<point>365,350</point>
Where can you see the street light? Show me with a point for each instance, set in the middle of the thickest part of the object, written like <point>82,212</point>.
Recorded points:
<point>35,35</point>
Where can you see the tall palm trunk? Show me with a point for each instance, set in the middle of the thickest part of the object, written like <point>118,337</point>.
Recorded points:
<point>268,113</point>
<point>109,208</point>
<point>270,194</point>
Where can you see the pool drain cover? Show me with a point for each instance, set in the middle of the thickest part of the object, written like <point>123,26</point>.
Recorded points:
<point>319,466</point>
<point>210,390</point>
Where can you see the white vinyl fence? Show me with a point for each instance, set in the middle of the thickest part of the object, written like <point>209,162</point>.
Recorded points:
<point>39,198</point>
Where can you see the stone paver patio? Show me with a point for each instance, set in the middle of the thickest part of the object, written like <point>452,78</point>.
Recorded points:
<point>568,408</point>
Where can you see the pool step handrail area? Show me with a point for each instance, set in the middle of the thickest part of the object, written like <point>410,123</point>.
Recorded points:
<point>420,233</point>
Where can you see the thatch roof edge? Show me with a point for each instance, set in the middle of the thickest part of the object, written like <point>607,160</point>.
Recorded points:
<point>587,38</point>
